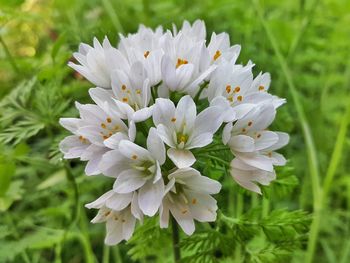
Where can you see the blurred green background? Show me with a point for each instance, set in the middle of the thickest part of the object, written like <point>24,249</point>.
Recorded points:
<point>304,44</point>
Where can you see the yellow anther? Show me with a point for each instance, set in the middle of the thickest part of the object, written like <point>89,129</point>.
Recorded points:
<point>173,119</point>
<point>138,91</point>
<point>250,123</point>
<point>261,88</point>
<point>123,87</point>
<point>116,218</point>
<point>240,98</point>
<point>269,154</point>
<point>228,88</point>
<point>103,125</point>
<point>125,99</point>
<point>105,137</point>
<point>107,213</point>
<point>123,220</point>
<point>181,62</point>
<point>244,130</point>
<point>237,89</point>
<point>258,136</point>
<point>194,201</point>
<point>146,54</point>
<point>217,54</point>
<point>230,99</point>
<point>134,157</point>
<point>182,138</point>
<point>109,120</point>
<point>184,211</point>
<point>116,128</point>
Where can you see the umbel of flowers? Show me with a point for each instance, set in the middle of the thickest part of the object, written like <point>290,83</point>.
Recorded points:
<point>159,97</point>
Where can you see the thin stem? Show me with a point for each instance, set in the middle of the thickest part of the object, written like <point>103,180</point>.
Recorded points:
<point>202,87</point>
<point>176,240</point>
<point>106,251</point>
<point>226,163</point>
<point>9,56</point>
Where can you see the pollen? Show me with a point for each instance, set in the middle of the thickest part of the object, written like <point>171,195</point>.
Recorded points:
<point>228,88</point>
<point>123,87</point>
<point>250,123</point>
<point>194,201</point>
<point>116,218</point>
<point>237,89</point>
<point>182,138</point>
<point>244,130</point>
<point>123,220</point>
<point>181,62</point>
<point>239,98</point>
<point>230,99</point>
<point>138,91</point>
<point>107,213</point>
<point>258,136</point>
<point>105,137</point>
<point>269,154</point>
<point>116,128</point>
<point>173,119</point>
<point>217,54</point>
<point>109,120</point>
<point>146,54</point>
<point>261,88</point>
<point>134,157</point>
<point>125,99</point>
<point>103,125</point>
<point>184,211</point>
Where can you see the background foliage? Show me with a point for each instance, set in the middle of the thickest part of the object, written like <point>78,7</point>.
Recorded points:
<point>304,216</point>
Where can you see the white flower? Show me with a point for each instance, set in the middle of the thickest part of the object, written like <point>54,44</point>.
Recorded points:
<point>188,197</point>
<point>248,176</point>
<point>139,169</point>
<point>97,63</point>
<point>182,129</point>
<point>95,132</point>
<point>132,92</point>
<point>145,46</point>
<point>182,67</point>
<point>120,212</point>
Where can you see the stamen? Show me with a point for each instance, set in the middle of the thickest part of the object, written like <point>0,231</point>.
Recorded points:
<point>250,123</point>
<point>181,62</point>
<point>173,119</point>
<point>123,87</point>
<point>228,88</point>
<point>239,98</point>
<point>184,211</point>
<point>125,99</point>
<point>103,125</point>
<point>194,201</point>
<point>138,91</point>
<point>116,218</point>
<point>261,88</point>
<point>217,55</point>
<point>230,99</point>
<point>258,136</point>
<point>237,89</point>
<point>146,54</point>
<point>107,213</point>
<point>269,154</point>
<point>244,130</point>
<point>134,157</point>
<point>182,138</point>
<point>109,120</point>
<point>123,220</point>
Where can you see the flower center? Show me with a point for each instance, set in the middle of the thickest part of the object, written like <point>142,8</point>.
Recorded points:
<point>181,62</point>
<point>217,55</point>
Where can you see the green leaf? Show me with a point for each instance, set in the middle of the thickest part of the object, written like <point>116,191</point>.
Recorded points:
<point>6,172</point>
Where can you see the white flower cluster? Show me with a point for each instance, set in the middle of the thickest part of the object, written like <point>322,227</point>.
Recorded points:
<point>145,124</point>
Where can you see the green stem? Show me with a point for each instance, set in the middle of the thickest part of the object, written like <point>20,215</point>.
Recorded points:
<point>202,87</point>
<point>176,240</point>
<point>226,163</point>
<point>106,251</point>
<point>9,56</point>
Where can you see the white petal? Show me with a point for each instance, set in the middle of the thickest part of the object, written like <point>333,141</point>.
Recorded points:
<point>142,114</point>
<point>128,181</point>
<point>209,120</point>
<point>114,231</point>
<point>181,158</point>
<point>242,143</point>
<point>156,146</point>
<point>200,140</point>
<point>100,202</point>
<point>130,150</point>
<point>258,161</point>
<point>118,202</point>
<point>150,197</point>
